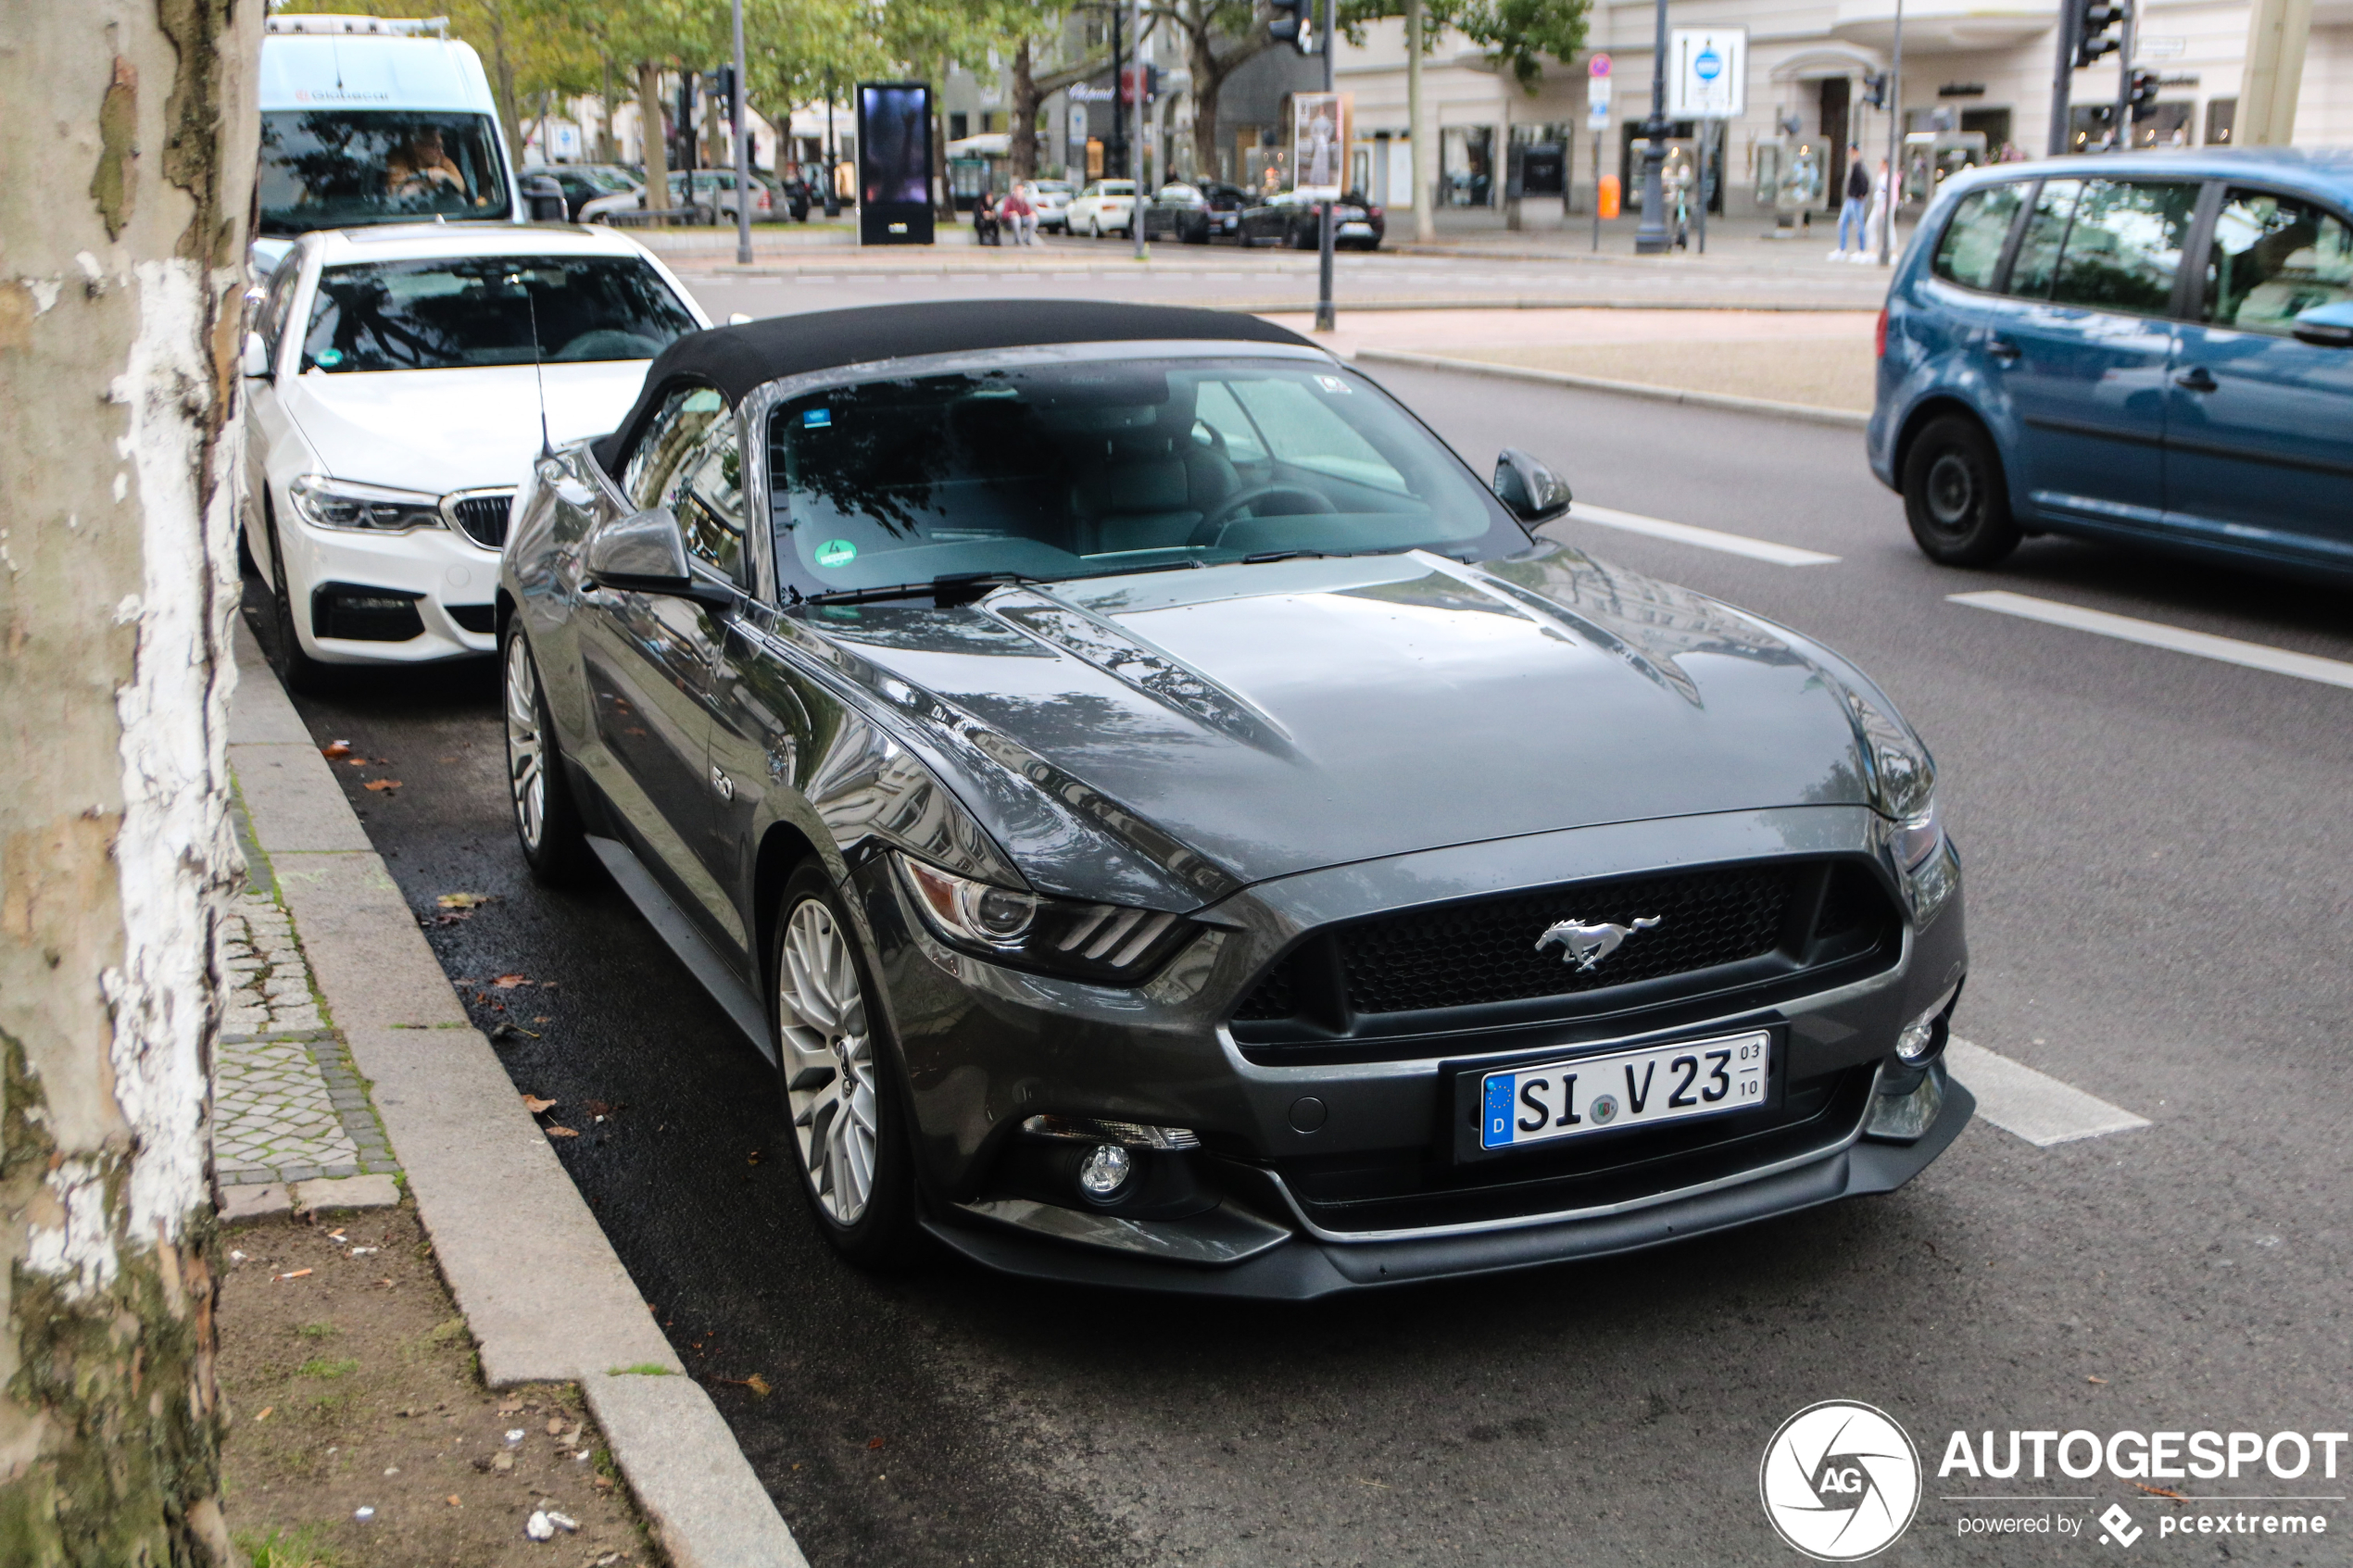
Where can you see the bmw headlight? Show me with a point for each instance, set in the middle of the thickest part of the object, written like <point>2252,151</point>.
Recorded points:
<point>1112,944</point>
<point>344,503</point>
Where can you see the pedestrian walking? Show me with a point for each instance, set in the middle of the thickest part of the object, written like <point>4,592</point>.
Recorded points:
<point>1851,211</point>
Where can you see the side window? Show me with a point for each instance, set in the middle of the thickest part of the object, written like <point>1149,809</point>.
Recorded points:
<point>707,497</point>
<point>2274,258</point>
<point>1970,253</point>
<point>2038,248</point>
<point>1305,432</point>
<point>685,416</point>
<point>279,302</point>
<point>2124,248</point>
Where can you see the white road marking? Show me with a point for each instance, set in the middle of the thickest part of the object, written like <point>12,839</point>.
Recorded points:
<point>1706,538</point>
<point>2031,1105</point>
<point>2228,650</point>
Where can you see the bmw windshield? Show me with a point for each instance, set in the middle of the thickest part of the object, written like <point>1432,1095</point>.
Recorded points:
<point>1081,469</point>
<point>469,311</point>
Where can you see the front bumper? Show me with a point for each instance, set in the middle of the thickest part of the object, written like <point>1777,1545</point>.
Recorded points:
<point>450,579</point>
<point>1286,1195</point>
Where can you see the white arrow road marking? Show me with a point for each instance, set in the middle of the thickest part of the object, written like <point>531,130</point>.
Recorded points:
<point>2033,1106</point>
<point>1706,538</point>
<point>2151,634</point>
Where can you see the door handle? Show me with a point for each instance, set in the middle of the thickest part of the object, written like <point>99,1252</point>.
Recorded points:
<point>2198,378</point>
<point>2003,349</point>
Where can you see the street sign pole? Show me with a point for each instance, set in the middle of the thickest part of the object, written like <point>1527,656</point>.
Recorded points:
<point>2121,139</point>
<point>1325,318</point>
<point>1597,96</point>
<point>743,150</point>
<point>1136,144</point>
<point>1652,238</point>
<point>1894,144</point>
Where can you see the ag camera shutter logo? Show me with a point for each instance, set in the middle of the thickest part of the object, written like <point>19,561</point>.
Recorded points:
<point>1840,1481</point>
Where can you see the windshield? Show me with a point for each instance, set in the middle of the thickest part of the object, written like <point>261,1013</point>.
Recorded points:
<point>1080,469</point>
<point>451,313</point>
<point>339,169</point>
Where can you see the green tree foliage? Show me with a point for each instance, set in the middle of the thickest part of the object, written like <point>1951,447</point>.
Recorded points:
<point>1519,35</point>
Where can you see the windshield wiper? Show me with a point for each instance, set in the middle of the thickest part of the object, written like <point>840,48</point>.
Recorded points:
<point>946,590</point>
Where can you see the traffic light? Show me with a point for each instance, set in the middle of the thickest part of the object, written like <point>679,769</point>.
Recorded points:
<point>2094,22</point>
<point>721,84</point>
<point>2144,98</point>
<point>1875,89</point>
<point>1294,23</point>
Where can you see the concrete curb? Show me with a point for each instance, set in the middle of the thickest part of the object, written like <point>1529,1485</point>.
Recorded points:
<point>1843,418</point>
<point>542,1291</point>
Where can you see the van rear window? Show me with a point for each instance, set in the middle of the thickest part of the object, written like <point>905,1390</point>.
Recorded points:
<point>338,168</point>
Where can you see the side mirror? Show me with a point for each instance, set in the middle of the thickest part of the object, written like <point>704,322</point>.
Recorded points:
<point>1528,490</point>
<point>645,553</point>
<point>2326,326</point>
<point>543,198</point>
<point>256,358</point>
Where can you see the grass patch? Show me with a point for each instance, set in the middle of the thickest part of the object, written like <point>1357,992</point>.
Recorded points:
<point>320,1367</point>
<point>297,1548</point>
<point>643,1369</point>
<point>318,1331</point>
<point>447,1333</point>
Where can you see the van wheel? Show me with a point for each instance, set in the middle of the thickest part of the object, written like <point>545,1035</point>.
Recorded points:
<point>1955,496</point>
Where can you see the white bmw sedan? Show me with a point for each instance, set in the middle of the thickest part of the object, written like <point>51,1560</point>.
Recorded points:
<point>398,378</point>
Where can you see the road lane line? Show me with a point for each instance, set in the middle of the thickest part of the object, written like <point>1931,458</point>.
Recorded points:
<point>1706,538</point>
<point>2031,1105</point>
<point>2150,633</point>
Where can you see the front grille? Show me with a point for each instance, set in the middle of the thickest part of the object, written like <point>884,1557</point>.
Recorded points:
<point>483,518</point>
<point>1476,964</point>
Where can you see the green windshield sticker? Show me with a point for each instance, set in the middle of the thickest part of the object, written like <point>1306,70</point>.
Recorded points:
<point>836,552</point>
<point>330,357</point>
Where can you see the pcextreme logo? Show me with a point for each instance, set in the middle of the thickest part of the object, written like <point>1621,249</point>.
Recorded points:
<point>1840,1481</point>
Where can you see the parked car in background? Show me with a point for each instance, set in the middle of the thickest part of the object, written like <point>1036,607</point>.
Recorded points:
<point>2155,350</point>
<point>393,403</point>
<point>584,182</point>
<point>631,197</point>
<point>1051,198</point>
<point>1289,218</point>
<point>1193,215</point>
<point>1106,207</point>
<point>711,194</point>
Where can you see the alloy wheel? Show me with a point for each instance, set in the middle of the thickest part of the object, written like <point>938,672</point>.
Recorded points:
<point>1951,493</point>
<point>830,1061</point>
<point>526,750</point>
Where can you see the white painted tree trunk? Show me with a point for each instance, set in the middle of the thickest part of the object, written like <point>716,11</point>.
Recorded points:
<point>129,140</point>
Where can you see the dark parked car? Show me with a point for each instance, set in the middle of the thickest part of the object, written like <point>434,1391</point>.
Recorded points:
<point>2155,350</point>
<point>1289,218</point>
<point>584,182</point>
<point>1195,215</point>
<point>1173,825</point>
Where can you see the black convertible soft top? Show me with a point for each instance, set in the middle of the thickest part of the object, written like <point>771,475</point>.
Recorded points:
<point>735,360</point>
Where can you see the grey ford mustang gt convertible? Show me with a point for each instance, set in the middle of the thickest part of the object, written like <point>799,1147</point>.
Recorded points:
<point>1172,825</point>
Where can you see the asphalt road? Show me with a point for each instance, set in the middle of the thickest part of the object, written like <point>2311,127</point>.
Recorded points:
<point>2160,875</point>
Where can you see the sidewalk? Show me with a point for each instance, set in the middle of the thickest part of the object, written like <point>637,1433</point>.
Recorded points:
<point>344,1046</point>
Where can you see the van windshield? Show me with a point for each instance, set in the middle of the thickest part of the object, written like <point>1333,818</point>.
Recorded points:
<point>338,168</point>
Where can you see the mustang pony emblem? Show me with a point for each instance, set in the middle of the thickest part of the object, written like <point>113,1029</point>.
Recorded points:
<point>1588,944</point>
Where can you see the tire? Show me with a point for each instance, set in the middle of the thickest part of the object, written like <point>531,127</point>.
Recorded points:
<point>855,1156</point>
<point>1955,496</point>
<point>546,817</point>
<point>296,670</point>
<point>1094,227</point>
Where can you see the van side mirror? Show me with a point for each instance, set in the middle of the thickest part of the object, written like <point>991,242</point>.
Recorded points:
<point>1528,490</point>
<point>257,366</point>
<point>2326,326</point>
<point>645,553</point>
<point>543,198</point>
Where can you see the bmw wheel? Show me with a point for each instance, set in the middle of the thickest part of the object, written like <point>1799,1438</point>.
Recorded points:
<point>1954,497</point>
<point>848,1121</point>
<point>547,819</point>
<point>296,671</point>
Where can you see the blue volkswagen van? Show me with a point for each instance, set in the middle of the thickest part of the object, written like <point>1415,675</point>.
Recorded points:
<point>2153,348</point>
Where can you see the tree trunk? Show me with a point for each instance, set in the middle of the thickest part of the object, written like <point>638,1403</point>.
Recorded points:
<point>606,151</point>
<point>1201,60</point>
<point>943,203</point>
<point>131,142</point>
<point>1418,130</point>
<point>649,134</point>
<point>503,82</point>
<point>1023,116</point>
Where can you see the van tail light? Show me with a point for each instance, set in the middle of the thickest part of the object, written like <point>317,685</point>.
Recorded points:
<point>1879,335</point>
<point>1372,212</point>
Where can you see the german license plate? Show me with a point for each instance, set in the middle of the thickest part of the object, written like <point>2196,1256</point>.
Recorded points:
<point>1598,1094</point>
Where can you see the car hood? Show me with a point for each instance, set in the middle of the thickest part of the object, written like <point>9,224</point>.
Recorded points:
<point>453,430</point>
<point>1288,715</point>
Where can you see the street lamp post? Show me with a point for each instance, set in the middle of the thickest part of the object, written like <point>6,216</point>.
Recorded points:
<point>1652,238</point>
<point>1327,318</point>
<point>1136,143</point>
<point>1894,143</point>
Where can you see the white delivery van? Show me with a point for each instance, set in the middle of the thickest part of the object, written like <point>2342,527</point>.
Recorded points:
<point>375,119</point>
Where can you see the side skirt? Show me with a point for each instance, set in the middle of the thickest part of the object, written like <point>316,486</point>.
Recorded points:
<point>671,921</point>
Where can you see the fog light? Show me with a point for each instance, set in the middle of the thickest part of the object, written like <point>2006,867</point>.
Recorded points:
<point>1922,1038</point>
<point>1104,1171</point>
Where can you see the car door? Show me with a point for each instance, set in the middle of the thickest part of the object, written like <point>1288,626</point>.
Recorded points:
<point>648,662</point>
<point>2260,442</point>
<point>2086,342</point>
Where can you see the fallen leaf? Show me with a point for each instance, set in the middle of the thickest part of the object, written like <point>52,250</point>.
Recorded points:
<point>454,1502</point>
<point>561,1133</point>
<point>2099,1380</point>
<point>2162,1492</point>
<point>465,901</point>
<point>873,1442</point>
<point>758,1386</point>
<point>512,1403</point>
<point>298,1274</point>
<point>385,1283</point>
<point>382,783</point>
<point>335,749</point>
<point>263,1414</point>
<point>753,1159</point>
<point>508,981</point>
<point>554,1426</point>
<point>598,1108</point>
<point>502,1460</point>
<point>534,1104</point>
<point>542,1018</point>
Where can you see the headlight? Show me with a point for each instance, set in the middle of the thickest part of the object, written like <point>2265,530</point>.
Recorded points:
<point>1915,840</point>
<point>1903,775</point>
<point>343,503</point>
<point>1111,943</point>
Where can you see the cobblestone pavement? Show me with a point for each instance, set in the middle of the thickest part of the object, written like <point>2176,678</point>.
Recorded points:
<point>287,1105</point>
